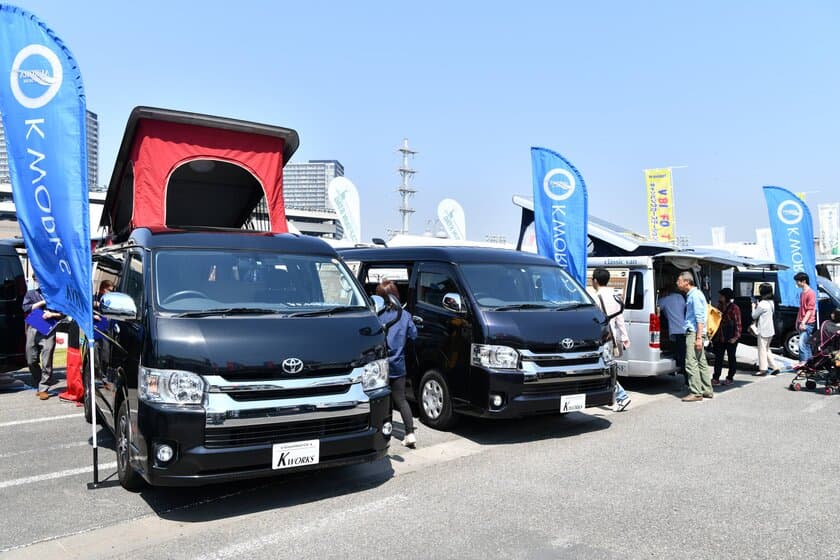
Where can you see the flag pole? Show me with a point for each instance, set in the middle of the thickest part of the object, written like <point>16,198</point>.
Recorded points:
<point>92,389</point>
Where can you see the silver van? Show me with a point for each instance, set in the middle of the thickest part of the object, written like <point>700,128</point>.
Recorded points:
<point>638,280</point>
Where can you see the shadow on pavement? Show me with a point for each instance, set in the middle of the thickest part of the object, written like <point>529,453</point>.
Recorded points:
<point>662,384</point>
<point>524,430</point>
<point>208,503</point>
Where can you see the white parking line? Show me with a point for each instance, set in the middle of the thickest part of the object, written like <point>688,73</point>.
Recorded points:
<point>334,519</point>
<point>34,420</point>
<point>42,449</point>
<point>53,475</point>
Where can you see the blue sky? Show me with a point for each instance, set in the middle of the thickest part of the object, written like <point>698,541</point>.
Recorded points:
<point>743,93</point>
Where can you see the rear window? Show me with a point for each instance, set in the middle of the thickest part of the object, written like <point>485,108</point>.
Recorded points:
<point>634,297</point>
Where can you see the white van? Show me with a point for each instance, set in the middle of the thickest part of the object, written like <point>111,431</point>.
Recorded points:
<point>638,280</point>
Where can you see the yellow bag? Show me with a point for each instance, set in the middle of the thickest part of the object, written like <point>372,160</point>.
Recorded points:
<point>713,320</point>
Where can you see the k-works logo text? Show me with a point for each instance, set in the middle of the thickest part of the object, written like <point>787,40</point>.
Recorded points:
<point>36,76</point>
<point>559,185</point>
<point>286,460</point>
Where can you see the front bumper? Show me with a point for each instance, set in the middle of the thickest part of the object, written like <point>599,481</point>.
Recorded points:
<point>205,454</point>
<point>528,397</point>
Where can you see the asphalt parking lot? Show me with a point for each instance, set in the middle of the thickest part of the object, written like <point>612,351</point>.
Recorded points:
<point>747,474</point>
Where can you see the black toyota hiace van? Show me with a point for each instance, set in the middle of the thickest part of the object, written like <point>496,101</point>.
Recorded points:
<point>227,353</point>
<point>233,355</point>
<point>500,333</point>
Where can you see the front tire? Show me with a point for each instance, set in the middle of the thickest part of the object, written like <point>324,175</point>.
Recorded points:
<point>435,402</point>
<point>129,479</point>
<point>790,346</point>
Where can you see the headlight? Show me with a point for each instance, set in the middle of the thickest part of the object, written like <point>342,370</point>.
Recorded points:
<point>375,375</point>
<point>607,352</point>
<point>496,357</point>
<point>170,386</point>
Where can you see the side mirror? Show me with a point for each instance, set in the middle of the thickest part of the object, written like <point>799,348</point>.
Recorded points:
<point>116,305</point>
<point>453,302</point>
<point>394,301</point>
<point>378,304</point>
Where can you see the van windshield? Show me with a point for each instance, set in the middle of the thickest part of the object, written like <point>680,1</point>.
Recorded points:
<point>505,286</point>
<point>189,280</point>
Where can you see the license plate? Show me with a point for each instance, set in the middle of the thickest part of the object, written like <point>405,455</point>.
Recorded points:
<point>571,403</point>
<point>295,454</point>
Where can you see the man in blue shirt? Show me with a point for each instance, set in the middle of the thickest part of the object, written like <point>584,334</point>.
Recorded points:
<point>398,334</point>
<point>699,380</point>
<point>672,307</point>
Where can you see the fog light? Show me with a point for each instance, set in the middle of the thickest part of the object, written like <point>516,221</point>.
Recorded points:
<point>164,453</point>
<point>496,401</point>
<point>387,428</point>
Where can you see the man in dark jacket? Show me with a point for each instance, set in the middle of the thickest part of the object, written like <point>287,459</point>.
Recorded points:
<point>39,347</point>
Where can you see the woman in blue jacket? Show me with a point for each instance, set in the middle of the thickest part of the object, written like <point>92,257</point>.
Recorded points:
<point>398,334</point>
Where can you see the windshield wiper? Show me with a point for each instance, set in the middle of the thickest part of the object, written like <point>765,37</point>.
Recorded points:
<point>570,305</point>
<point>516,306</point>
<point>327,311</point>
<point>230,311</point>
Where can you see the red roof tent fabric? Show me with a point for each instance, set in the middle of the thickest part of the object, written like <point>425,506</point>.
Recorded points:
<point>160,147</point>
<point>157,141</point>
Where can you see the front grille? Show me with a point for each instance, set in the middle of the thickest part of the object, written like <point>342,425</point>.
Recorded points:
<point>567,388</point>
<point>561,362</point>
<point>268,374</point>
<point>281,433</point>
<point>272,394</point>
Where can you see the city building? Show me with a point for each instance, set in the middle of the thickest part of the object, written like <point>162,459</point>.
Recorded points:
<point>92,152</point>
<point>305,184</point>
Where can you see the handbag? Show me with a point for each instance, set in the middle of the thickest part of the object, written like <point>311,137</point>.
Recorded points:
<point>754,328</point>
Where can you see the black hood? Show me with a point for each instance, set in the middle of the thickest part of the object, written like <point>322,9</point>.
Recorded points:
<point>541,330</point>
<point>249,347</point>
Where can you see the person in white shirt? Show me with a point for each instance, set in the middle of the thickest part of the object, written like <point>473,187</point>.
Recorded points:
<point>613,309</point>
<point>762,315</point>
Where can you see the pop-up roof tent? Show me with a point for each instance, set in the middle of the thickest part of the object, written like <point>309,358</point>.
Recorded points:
<point>177,169</point>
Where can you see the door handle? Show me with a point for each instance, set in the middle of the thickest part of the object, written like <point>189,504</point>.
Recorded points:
<point>418,321</point>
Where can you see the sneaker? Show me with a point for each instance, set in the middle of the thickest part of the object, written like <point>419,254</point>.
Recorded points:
<point>692,398</point>
<point>410,440</point>
<point>727,381</point>
<point>619,406</point>
<point>715,382</point>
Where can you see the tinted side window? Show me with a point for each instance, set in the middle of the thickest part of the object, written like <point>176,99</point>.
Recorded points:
<point>133,280</point>
<point>635,296</point>
<point>108,267</point>
<point>10,269</point>
<point>397,273</point>
<point>432,286</point>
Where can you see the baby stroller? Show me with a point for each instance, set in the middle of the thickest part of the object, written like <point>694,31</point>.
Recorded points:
<point>824,365</point>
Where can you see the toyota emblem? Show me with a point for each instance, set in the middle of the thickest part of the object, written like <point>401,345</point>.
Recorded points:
<point>567,343</point>
<point>292,365</point>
